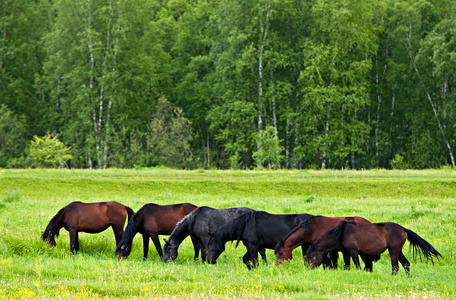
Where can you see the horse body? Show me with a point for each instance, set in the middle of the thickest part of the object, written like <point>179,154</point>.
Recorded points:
<point>151,221</point>
<point>87,217</point>
<point>372,240</point>
<point>199,224</point>
<point>257,230</point>
<point>306,233</point>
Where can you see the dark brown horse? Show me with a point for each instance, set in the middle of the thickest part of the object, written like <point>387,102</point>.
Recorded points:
<point>150,221</point>
<point>87,217</point>
<point>307,233</point>
<point>372,240</point>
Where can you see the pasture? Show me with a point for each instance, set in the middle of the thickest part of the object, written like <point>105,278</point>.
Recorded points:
<point>423,201</point>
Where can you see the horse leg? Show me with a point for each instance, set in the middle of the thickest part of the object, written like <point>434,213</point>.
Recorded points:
<point>74,241</point>
<point>117,233</point>
<point>404,262</point>
<point>157,244</point>
<point>246,260</point>
<point>355,258</point>
<point>394,255</point>
<point>263,256</point>
<point>346,256</point>
<point>145,245</point>
<point>326,261</point>
<point>334,256</point>
<point>367,262</point>
<point>196,247</point>
<point>253,256</point>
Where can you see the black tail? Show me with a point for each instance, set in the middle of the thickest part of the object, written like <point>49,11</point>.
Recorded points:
<point>128,234</point>
<point>421,246</point>
<point>237,226</point>
<point>130,212</point>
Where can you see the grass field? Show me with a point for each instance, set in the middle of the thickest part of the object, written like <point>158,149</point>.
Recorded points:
<point>422,201</point>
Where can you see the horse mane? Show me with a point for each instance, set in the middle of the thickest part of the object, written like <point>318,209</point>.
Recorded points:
<point>130,231</point>
<point>307,225</point>
<point>337,232</point>
<point>51,229</point>
<point>189,218</point>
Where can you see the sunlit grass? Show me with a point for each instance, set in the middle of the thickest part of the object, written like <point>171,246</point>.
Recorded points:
<point>30,269</point>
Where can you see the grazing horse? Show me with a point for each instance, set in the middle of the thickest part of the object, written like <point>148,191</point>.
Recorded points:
<point>87,217</point>
<point>150,221</point>
<point>307,233</point>
<point>257,230</point>
<point>200,223</point>
<point>372,240</point>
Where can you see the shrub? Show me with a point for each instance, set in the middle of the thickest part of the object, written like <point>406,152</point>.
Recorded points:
<point>48,152</point>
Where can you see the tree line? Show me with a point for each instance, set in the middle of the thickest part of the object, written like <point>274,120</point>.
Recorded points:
<point>235,84</point>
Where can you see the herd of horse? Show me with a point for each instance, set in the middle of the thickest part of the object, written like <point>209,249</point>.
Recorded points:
<point>320,237</point>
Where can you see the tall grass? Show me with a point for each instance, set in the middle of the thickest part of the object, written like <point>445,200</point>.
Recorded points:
<point>419,200</point>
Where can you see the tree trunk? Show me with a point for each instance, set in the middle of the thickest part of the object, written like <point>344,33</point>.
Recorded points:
<point>434,108</point>
<point>264,33</point>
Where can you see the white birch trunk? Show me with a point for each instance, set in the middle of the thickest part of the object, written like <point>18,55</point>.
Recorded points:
<point>434,108</point>
<point>264,33</point>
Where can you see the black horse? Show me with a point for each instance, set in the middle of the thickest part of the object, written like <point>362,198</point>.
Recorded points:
<point>371,240</point>
<point>87,217</point>
<point>257,230</point>
<point>199,224</point>
<point>150,221</point>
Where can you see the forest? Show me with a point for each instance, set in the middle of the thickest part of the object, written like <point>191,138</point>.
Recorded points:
<point>229,84</point>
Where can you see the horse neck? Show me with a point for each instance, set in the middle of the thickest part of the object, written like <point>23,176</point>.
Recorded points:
<point>54,225</point>
<point>180,232</point>
<point>131,229</point>
<point>294,240</point>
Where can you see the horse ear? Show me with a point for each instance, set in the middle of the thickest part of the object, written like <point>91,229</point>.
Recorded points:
<point>166,241</point>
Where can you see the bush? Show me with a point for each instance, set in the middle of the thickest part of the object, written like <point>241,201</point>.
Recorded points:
<point>398,162</point>
<point>49,152</point>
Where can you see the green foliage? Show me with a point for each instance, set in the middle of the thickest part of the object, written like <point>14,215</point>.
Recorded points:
<point>49,152</point>
<point>269,149</point>
<point>344,84</point>
<point>398,162</point>
<point>169,136</point>
<point>12,142</point>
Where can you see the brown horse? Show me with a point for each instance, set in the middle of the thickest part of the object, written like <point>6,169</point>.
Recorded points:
<point>87,217</point>
<point>150,221</point>
<point>307,233</point>
<point>372,240</point>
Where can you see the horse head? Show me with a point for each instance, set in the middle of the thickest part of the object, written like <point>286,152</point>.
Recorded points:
<point>170,252</point>
<point>313,257</point>
<point>123,249</point>
<point>48,236</point>
<point>282,253</point>
<point>215,247</point>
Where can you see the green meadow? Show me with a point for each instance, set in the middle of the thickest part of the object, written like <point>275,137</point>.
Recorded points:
<point>422,201</point>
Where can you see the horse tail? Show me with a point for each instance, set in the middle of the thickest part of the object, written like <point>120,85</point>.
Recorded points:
<point>237,226</point>
<point>129,232</point>
<point>130,212</point>
<point>421,246</point>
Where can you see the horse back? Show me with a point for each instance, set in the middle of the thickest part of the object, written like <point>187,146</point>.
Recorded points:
<point>92,217</point>
<point>374,238</point>
<point>162,219</point>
